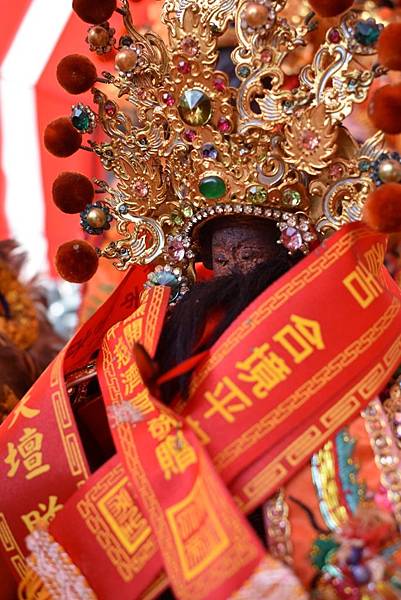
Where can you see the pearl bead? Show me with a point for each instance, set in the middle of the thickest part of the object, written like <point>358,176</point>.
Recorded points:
<point>98,36</point>
<point>96,217</point>
<point>256,14</point>
<point>390,170</point>
<point>126,60</point>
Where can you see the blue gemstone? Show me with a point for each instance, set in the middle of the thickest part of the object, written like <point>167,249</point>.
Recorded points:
<point>123,209</point>
<point>361,574</point>
<point>209,151</point>
<point>364,165</point>
<point>366,33</point>
<point>168,279</point>
<point>355,555</point>
<point>244,71</point>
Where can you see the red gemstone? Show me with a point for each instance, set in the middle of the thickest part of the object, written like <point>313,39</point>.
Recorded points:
<point>169,99</point>
<point>189,135</point>
<point>189,46</point>
<point>109,109</point>
<point>266,56</point>
<point>336,171</point>
<point>219,84</point>
<point>224,125</point>
<point>291,239</point>
<point>310,140</point>
<point>334,36</point>
<point>141,189</point>
<point>184,67</point>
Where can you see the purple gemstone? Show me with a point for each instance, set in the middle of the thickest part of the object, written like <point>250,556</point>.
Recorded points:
<point>291,239</point>
<point>109,109</point>
<point>334,36</point>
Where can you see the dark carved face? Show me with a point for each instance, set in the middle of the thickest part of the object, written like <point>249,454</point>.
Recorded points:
<point>242,248</point>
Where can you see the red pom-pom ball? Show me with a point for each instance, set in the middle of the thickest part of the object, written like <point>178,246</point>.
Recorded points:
<point>61,138</point>
<point>72,192</point>
<point>385,109</point>
<point>76,73</point>
<point>388,47</point>
<point>76,261</point>
<point>330,8</point>
<point>94,11</point>
<point>382,210</point>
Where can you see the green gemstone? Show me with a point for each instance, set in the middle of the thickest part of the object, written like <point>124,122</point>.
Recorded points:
<point>187,211</point>
<point>212,187</point>
<point>176,219</point>
<point>257,194</point>
<point>292,198</point>
<point>80,119</point>
<point>195,107</point>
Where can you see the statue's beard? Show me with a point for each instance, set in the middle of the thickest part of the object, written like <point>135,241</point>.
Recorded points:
<point>226,297</point>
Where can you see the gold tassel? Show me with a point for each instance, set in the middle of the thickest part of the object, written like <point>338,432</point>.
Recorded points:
<point>32,587</point>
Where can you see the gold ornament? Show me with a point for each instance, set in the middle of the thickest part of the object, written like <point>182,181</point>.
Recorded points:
<point>390,171</point>
<point>185,147</point>
<point>98,36</point>
<point>126,60</point>
<point>96,217</point>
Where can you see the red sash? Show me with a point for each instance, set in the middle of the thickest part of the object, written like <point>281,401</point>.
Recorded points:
<point>284,377</point>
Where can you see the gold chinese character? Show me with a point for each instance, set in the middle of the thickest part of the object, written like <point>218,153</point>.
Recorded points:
<point>24,411</point>
<point>127,515</point>
<point>131,379</point>
<point>227,405</point>
<point>143,403</point>
<point>46,512</point>
<point>263,368</point>
<point>29,450</point>
<point>133,331</point>
<point>363,285</point>
<point>301,338</point>
<point>197,429</point>
<point>174,455</point>
<point>374,258</point>
<point>160,426</point>
<point>122,353</point>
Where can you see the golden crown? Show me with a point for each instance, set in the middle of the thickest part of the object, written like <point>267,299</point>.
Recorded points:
<point>185,147</point>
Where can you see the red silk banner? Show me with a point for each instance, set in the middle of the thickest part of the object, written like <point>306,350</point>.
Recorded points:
<point>283,378</point>
<point>42,460</point>
<point>102,525</point>
<point>42,463</point>
<point>292,369</point>
<point>207,547</point>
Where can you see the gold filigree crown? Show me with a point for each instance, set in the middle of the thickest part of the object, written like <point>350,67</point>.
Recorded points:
<point>184,146</point>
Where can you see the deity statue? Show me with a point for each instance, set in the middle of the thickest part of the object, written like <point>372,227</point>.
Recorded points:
<point>228,423</point>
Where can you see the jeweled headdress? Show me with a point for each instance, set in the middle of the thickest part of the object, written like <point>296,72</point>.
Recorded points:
<point>184,147</point>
